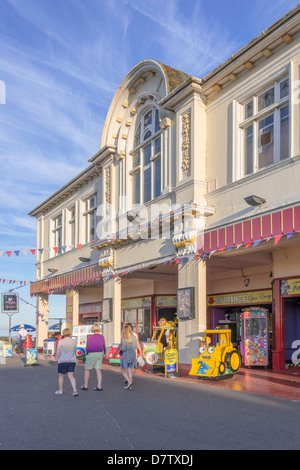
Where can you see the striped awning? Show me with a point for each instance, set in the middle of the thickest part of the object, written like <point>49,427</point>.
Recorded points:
<point>67,281</point>
<point>276,224</point>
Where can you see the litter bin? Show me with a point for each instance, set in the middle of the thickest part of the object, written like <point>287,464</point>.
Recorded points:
<point>28,343</point>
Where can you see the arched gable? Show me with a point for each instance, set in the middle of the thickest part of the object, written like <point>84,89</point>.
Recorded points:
<point>148,82</point>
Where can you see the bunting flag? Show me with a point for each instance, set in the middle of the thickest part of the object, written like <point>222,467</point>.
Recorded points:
<point>13,281</point>
<point>276,239</point>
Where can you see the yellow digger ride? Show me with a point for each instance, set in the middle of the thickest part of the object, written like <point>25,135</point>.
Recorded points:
<point>216,361</point>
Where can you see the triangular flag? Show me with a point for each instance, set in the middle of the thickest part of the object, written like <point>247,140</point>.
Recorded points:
<point>64,248</point>
<point>32,251</point>
<point>211,253</point>
<point>289,235</point>
<point>17,252</point>
<point>41,250</point>
<point>256,242</point>
<point>1,253</point>
<point>248,244</point>
<point>55,249</point>
<point>8,253</point>
<point>24,252</point>
<point>229,248</point>
<point>276,239</point>
<point>79,246</point>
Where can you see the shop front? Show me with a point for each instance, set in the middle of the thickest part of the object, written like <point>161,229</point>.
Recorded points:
<point>287,333</point>
<point>145,312</point>
<point>90,313</point>
<point>249,317</point>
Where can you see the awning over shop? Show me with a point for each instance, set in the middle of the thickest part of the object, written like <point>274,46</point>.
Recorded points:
<point>67,281</point>
<point>251,231</point>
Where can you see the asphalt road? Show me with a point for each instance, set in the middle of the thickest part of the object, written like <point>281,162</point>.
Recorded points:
<point>157,415</point>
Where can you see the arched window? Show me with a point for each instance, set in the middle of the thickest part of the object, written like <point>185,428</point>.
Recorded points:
<point>146,158</point>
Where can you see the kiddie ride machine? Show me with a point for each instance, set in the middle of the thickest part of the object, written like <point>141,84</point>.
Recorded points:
<point>217,360</point>
<point>80,334</point>
<point>164,337</point>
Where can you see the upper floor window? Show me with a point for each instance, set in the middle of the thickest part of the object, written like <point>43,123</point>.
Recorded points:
<point>146,158</point>
<point>72,225</point>
<point>90,218</point>
<point>265,127</point>
<point>57,233</point>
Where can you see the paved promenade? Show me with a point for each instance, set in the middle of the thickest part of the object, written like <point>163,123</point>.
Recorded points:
<point>157,414</point>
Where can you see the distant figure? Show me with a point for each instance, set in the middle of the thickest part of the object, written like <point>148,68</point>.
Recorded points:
<point>66,360</point>
<point>95,350</point>
<point>21,338</point>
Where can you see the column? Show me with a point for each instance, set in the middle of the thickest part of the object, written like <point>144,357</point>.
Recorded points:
<point>42,319</point>
<point>192,274</point>
<point>75,293</point>
<point>72,307</point>
<point>112,330</point>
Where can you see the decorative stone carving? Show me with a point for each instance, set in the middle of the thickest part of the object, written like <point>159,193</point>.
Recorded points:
<point>107,191</point>
<point>186,144</point>
<point>106,260</point>
<point>185,243</point>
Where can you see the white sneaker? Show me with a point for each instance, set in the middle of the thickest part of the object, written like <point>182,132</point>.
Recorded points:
<point>58,392</point>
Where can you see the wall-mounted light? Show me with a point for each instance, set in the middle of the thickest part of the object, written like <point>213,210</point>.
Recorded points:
<point>134,217</point>
<point>84,260</point>
<point>52,270</point>
<point>254,200</point>
<point>246,282</point>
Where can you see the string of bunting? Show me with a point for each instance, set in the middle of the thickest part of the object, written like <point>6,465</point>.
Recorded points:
<point>174,259</point>
<point>15,283</point>
<point>33,251</point>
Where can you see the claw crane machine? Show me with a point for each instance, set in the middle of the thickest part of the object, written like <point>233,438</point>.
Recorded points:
<point>255,337</point>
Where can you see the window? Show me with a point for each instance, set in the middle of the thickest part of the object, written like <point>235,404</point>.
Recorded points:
<point>72,226</point>
<point>146,158</point>
<point>266,127</point>
<point>57,232</point>
<point>90,218</point>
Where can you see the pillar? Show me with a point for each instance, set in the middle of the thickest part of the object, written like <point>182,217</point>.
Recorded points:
<point>42,319</point>
<point>112,330</point>
<point>75,320</point>
<point>72,307</point>
<point>192,274</point>
<point>278,351</point>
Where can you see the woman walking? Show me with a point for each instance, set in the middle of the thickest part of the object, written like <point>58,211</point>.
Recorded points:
<point>128,346</point>
<point>66,360</point>
<point>95,350</point>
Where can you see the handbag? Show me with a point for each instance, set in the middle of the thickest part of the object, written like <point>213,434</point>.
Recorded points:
<point>140,361</point>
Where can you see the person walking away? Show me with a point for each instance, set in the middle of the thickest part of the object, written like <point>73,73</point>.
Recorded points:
<point>66,361</point>
<point>95,350</point>
<point>21,338</point>
<point>139,349</point>
<point>128,346</point>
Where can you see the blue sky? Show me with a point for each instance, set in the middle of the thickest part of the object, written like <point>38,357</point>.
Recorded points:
<point>61,62</point>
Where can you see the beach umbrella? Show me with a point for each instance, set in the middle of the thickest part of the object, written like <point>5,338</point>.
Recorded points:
<point>55,327</point>
<point>29,328</point>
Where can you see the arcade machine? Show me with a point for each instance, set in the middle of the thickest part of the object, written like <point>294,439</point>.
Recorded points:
<point>255,337</point>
